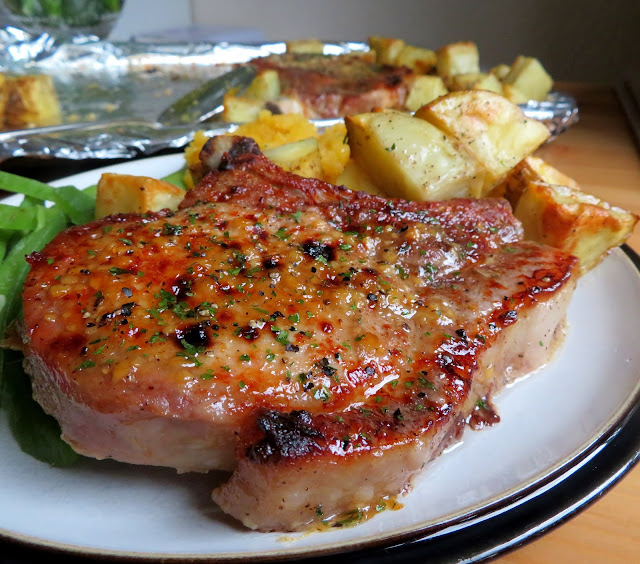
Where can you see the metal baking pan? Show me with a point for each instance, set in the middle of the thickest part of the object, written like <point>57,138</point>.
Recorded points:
<point>129,83</point>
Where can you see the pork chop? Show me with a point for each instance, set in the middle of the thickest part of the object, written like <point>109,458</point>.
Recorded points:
<point>321,344</point>
<point>329,86</point>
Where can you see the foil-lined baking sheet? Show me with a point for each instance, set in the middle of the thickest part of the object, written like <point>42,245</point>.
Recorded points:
<point>126,85</point>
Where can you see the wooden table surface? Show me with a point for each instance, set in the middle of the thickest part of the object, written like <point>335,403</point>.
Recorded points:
<point>601,154</point>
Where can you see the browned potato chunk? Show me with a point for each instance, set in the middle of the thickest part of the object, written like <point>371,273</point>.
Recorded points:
<point>240,109</point>
<point>511,93</point>
<point>475,81</point>
<point>265,86</point>
<point>386,49</point>
<point>424,89</point>
<point>500,71</point>
<point>126,193</point>
<point>305,46</point>
<point>420,60</point>
<point>531,169</point>
<point>309,166</point>
<point>410,158</point>
<point>300,157</point>
<point>31,102</point>
<point>356,179</point>
<point>492,129</point>
<point>573,221</point>
<point>527,76</point>
<point>458,58</point>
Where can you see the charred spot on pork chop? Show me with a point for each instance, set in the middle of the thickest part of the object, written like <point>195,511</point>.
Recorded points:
<point>286,436</point>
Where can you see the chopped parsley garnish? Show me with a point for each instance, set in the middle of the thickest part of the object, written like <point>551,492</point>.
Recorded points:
<point>116,271</point>
<point>281,234</point>
<point>282,335</point>
<point>171,229</point>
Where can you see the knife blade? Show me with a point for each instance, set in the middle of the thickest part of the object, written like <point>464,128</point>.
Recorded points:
<point>201,103</point>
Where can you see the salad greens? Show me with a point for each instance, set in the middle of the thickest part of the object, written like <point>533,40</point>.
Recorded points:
<point>23,230</point>
<point>70,12</point>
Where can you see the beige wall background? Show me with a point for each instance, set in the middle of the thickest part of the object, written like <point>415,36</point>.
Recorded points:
<point>589,40</point>
<point>594,40</point>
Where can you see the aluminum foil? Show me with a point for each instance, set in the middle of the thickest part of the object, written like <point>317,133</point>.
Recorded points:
<point>559,112</point>
<point>127,85</point>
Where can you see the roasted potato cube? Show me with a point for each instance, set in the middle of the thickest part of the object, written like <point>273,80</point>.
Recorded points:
<point>500,71</point>
<point>410,158</point>
<point>300,157</point>
<point>492,129</point>
<point>458,58</point>
<point>354,178</point>
<point>305,46</point>
<point>513,94</point>
<point>423,90</point>
<point>475,81</point>
<point>241,110</point>
<point>420,60</point>
<point>527,75</point>
<point>31,102</point>
<point>386,49</point>
<point>285,155</point>
<point>531,169</point>
<point>265,86</point>
<point>126,193</point>
<point>334,151</point>
<point>573,221</point>
<point>535,169</point>
<point>309,166</point>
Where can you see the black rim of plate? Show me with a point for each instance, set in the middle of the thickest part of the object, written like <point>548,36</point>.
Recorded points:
<point>495,532</point>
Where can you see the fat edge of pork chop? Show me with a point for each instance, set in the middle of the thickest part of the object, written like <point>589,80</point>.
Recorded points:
<point>411,313</point>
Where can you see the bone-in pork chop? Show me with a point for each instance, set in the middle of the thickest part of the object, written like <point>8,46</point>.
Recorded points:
<point>322,344</point>
<point>329,86</point>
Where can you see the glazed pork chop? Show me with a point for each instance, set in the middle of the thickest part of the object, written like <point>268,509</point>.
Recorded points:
<point>329,86</point>
<point>321,344</point>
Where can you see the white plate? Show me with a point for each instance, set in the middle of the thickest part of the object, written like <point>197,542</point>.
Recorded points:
<point>549,421</point>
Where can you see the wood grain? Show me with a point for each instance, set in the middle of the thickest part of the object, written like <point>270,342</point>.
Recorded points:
<point>600,153</point>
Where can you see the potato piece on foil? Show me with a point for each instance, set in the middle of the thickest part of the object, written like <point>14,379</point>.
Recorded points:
<point>31,102</point>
